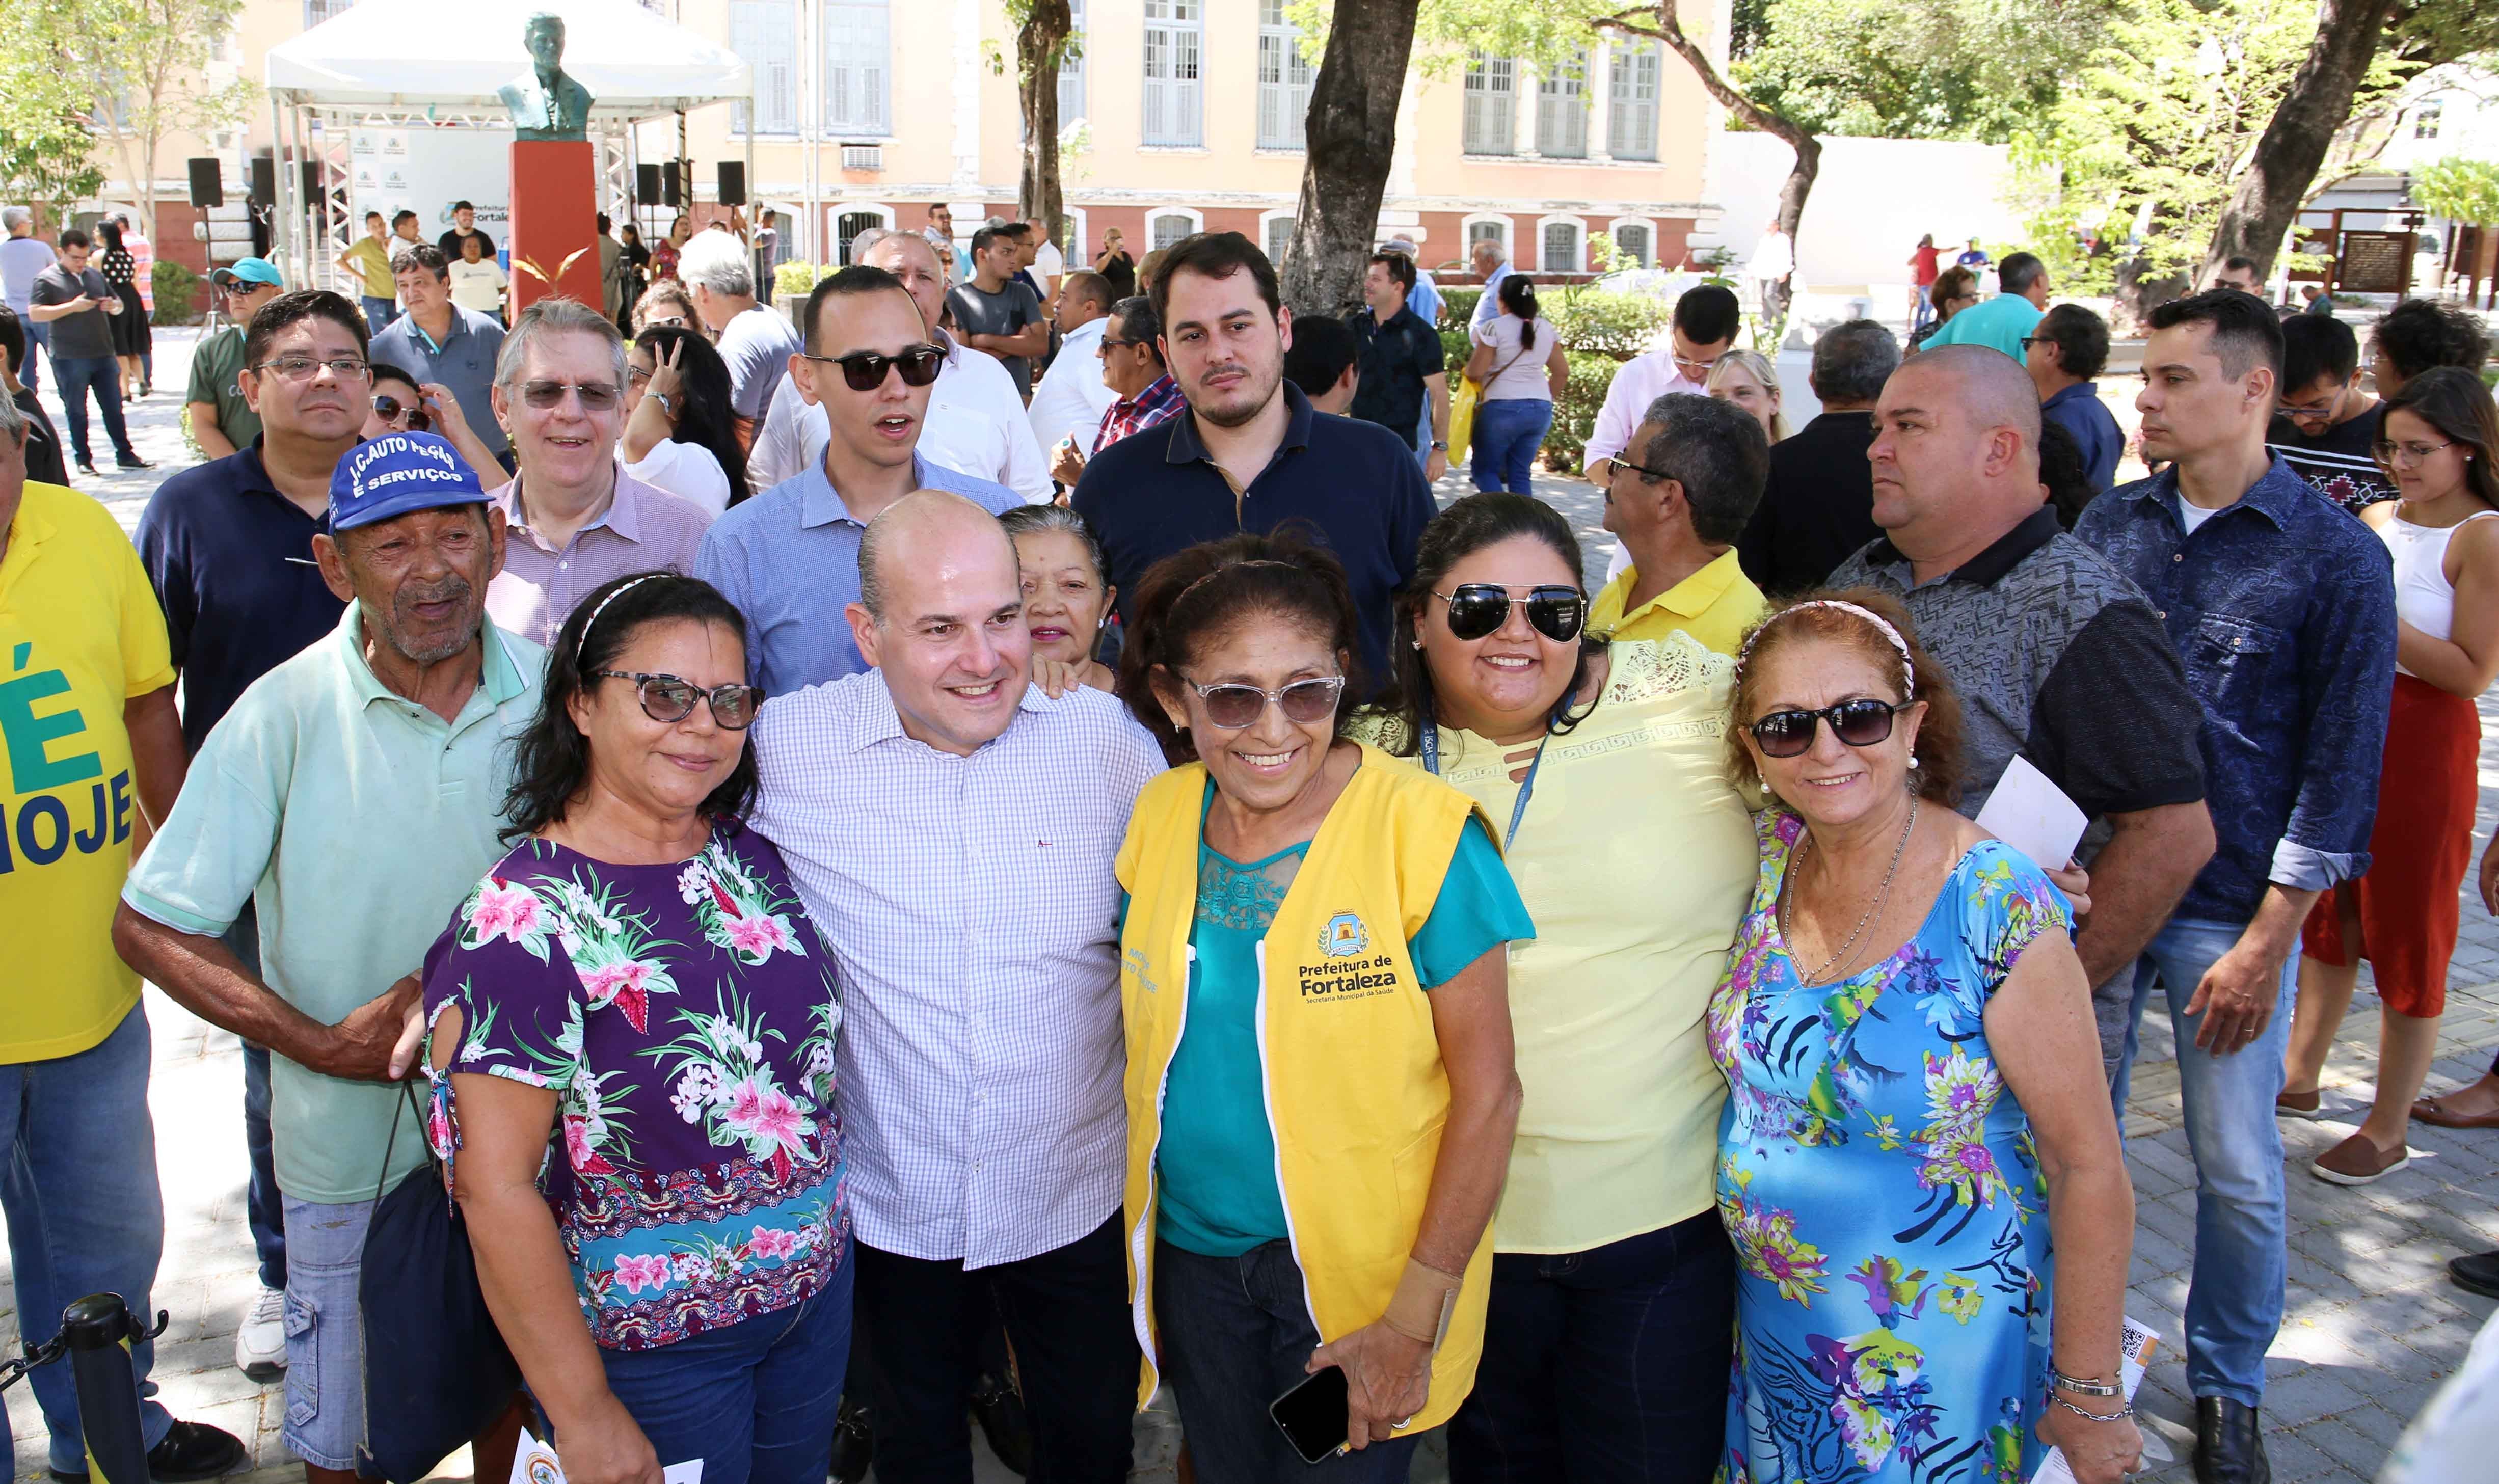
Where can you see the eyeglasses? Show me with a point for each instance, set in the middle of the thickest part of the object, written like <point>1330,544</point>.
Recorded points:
<point>864,371</point>
<point>390,409</point>
<point>671,699</point>
<point>2406,453</point>
<point>1109,344</point>
<point>304,368</point>
<point>2029,341</point>
<point>1698,371</point>
<point>1234,707</point>
<point>596,395</point>
<point>636,375</point>
<point>676,321</point>
<point>1860,723</point>
<point>2320,413</point>
<point>1480,608</point>
<point>1607,468</point>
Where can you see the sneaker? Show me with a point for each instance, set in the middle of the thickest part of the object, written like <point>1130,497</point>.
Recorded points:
<point>260,1345</point>
<point>2358,1161</point>
<point>2310,1105</point>
<point>190,1452</point>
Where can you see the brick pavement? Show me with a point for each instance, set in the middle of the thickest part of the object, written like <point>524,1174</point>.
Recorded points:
<point>2372,1323</point>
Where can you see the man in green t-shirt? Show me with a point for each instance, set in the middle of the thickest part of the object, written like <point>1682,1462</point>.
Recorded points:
<point>221,421</point>
<point>370,261</point>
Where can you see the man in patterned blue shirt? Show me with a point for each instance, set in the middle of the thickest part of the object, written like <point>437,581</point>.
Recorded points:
<point>2282,608</point>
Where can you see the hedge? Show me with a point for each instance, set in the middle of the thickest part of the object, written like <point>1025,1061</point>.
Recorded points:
<point>176,290</point>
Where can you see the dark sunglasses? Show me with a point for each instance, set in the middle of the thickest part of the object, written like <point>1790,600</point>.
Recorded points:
<point>864,371</point>
<point>390,409</point>
<point>596,395</point>
<point>1235,706</point>
<point>671,699</point>
<point>1860,723</point>
<point>1481,608</point>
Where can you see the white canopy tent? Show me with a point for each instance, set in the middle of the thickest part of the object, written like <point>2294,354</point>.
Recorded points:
<point>370,66</point>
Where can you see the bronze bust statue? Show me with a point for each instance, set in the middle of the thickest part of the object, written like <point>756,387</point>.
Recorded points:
<point>546,102</point>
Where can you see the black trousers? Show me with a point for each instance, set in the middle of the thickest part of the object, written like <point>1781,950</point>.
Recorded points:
<point>1066,1314</point>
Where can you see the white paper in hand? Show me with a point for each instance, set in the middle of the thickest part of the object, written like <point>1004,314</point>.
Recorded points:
<point>535,1462</point>
<point>2033,816</point>
<point>2135,1353</point>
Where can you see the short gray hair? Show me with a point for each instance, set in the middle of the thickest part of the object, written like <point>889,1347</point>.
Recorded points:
<point>723,267</point>
<point>14,217</point>
<point>556,316</point>
<point>861,243</point>
<point>1500,254</point>
<point>1853,360</point>
<point>1719,452</point>
<point>12,427</point>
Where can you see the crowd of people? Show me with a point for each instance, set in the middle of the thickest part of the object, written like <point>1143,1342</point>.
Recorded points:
<point>1003,804</point>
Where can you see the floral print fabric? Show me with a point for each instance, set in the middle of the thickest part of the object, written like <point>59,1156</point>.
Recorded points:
<point>1884,1195</point>
<point>684,1017</point>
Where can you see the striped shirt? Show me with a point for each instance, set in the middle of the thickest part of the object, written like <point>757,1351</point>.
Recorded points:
<point>644,529</point>
<point>970,908</point>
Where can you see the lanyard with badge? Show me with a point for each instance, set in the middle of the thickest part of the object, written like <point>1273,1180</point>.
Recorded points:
<point>1431,745</point>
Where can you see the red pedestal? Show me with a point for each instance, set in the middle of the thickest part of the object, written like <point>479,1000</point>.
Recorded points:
<point>555,222</point>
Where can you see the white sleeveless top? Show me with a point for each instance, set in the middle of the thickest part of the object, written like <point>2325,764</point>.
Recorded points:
<point>2423,597</point>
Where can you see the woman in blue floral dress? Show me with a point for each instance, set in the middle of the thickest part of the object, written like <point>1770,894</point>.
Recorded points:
<point>1918,1163</point>
<point>632,1045</point>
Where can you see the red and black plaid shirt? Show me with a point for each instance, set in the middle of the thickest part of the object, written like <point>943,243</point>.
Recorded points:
<point>1156,404</point>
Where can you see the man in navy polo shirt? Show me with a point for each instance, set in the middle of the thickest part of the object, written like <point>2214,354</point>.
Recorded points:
<point>228,545</point>
<point>1252,454</point>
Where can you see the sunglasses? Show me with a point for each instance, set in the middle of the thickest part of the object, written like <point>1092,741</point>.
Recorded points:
<point>1233,706</point>
<point>1861,723</point>
<point>596,395</point>
<point>390,409</point>
<point>671,699</point>
<point>864,371</point>
<point>1480,608</point>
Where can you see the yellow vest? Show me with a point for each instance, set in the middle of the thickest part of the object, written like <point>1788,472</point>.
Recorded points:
<point>1356,1094</point>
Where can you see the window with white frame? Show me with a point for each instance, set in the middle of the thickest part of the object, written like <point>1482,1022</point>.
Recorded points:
<point>1491,105</point>
<point>1631,130</point>
<point>765,34</point>
<point>857,62</point>
<point>317,12</point>
<point>1278,235</point>
<point>1175,97</point>
<point>2427,117</point>
<point>1071,68</point>
<point>849,224</point>
<point>1559,246</point>
<point>1631,245</point>
<point>1163,229</point>
<point>1562,108</point>
<point>1284,79</point>
<point>1488,229</point>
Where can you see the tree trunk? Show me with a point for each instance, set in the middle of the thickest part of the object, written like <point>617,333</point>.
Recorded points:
<point>1352,130</point>
<point>1039,44</point>
<point>1808,149</point>
<point>2293,146</point>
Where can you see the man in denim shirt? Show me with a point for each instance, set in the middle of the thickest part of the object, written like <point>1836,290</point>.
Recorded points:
<point>2282,608</point>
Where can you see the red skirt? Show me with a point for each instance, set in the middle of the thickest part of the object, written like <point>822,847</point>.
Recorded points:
<point>2419,851</point>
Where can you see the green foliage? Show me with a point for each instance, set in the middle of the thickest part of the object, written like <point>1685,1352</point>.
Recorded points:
<point>1917,69</point>
<point>1605,322</point>
<point>176,290</point>
<point>1458,305</point>
<point>2459,190</point>
<point>47,153</point>
<point>1576,414</point>
<point>1454,345</point>
<point>796,278</point>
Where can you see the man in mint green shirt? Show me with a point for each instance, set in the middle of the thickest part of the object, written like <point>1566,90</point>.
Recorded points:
<point>353,796</point>
<point>2004,321</point>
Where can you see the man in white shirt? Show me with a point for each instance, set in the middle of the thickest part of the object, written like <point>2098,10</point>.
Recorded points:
<point>755,339</point>
<point>951,830</point>
<point>1046,262</point>
<point>1068,403</point>
<point>1706,321</point>
<point>977,424</point>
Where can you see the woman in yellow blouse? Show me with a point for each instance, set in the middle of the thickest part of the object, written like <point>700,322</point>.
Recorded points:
<point>1609,1331</point>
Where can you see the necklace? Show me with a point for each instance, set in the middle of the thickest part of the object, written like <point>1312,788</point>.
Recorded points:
<point>1882,894</point>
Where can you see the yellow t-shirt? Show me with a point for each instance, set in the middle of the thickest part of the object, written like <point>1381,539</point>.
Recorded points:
<point>373,260</point>
<point>79,635</point>
<point>1715,605</point>
<point>1636,858</point>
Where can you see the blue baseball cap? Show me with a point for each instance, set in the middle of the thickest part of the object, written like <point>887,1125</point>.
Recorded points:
<point>396,473</point>
<point>248,270</point>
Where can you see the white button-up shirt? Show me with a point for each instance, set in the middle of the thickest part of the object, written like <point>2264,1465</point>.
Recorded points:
<point>1644,380</point>
<point>971,910</point>
<point>976,425</point>
<point>1072,396</point>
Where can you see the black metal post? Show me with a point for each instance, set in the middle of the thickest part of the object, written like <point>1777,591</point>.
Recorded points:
<point>97,1329</point>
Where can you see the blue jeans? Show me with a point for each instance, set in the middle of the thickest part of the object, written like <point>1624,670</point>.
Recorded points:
<point>756,1401</point>
<point>1608,1363</point>
<point>2235,1295</point>
<point>380,312</point>
<point>325,1331</point>
<point>76,375</point>
<point>1236,1332</point>
<point>39,340</point>
<point>83,1211</point>
<point>264,1209</point>
<point>1507,433</point>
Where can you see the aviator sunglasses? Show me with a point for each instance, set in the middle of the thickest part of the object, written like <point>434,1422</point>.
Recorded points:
<point>864,371</point>
<point>1480,608</point>
<point>1860,723</point>
<point>671,699</point>
<point>390,409</point>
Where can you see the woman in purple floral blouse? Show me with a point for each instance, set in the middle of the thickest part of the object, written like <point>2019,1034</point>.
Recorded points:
<point>632,1027</point>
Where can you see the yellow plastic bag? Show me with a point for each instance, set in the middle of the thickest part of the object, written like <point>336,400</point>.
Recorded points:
<point>1462,417</point>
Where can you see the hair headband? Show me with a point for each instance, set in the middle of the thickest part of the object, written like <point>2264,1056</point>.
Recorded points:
<point>1882,626</point>
<point>583,647</point>
<point>1228,567</point>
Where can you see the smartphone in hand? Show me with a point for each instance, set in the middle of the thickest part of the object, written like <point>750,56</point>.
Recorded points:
<point>1313,1416</point>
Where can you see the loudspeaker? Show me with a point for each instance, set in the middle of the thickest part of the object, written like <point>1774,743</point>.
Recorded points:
<point>646,182</point>
<point>264,182</point>
<point>672,184</point>
<point>208,183</point>
<point>732,182</point>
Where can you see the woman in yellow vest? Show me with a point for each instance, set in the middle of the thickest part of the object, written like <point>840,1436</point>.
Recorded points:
<point>1321,1092</point>
<point>1614,1284</point>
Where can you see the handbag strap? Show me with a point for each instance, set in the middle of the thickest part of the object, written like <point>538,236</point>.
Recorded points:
<point>1523,349</point>
<point>400,1105</point>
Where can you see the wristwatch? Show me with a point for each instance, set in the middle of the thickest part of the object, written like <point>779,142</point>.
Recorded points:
<point>1440,447</point>
<point>666,405</point>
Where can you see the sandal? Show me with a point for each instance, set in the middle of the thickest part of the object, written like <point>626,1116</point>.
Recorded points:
<point>2431,1111</point>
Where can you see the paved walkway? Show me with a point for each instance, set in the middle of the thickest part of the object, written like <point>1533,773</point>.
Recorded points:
<point>2372,1325</point>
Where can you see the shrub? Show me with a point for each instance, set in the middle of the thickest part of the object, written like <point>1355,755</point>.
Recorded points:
<point>795,278</point>
<point>1605,322</point>
<point>1454,350</point>
<point>1458,306</point>
<point>176,290</point>
<point>1576,414</point>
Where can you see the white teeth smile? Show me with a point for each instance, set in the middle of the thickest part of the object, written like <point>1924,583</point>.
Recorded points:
<point>1509,662</point>
<point>1266,759</point>
<point>974,693</point>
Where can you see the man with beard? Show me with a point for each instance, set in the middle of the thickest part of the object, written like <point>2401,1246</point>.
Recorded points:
<point>393,728</point>
<point>1252,454</point>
